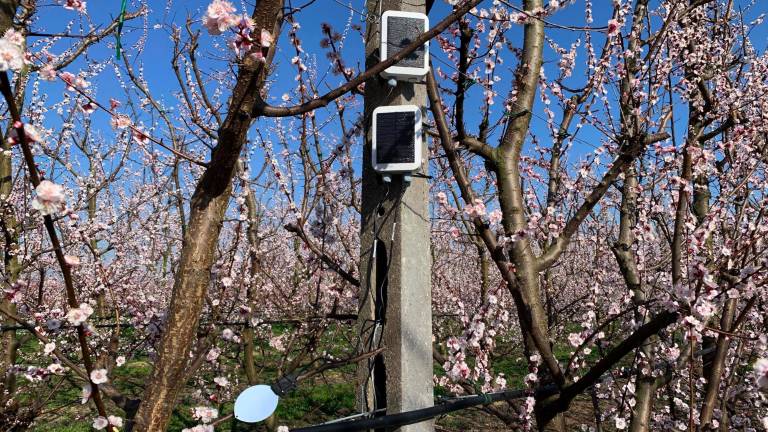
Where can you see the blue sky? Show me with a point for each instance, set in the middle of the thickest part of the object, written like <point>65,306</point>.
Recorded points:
<point>156,55</point>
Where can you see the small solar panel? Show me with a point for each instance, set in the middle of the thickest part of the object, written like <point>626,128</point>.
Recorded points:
<point>395,137</point>
<point>402,31</point>
<point>398,30</point>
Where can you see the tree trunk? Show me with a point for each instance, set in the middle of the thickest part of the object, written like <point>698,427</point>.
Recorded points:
<point>507,166</point>
<point>716,369</point>
<point>10,261</point>
<point>207,208</point>
<point>645,383</point>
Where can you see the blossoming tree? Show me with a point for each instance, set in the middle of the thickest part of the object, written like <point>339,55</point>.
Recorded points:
<point>598,212</point>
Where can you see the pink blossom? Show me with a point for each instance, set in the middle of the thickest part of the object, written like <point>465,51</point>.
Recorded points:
<point>88,108</point>
<point>13,294</point>
<point>50,198</point>
<point>115,421</point>
<point>100,423</point>
<point>77,316</point>
<point>245,23</point>
<point>613,27</point>
<point>257,56</point>
<point>68,78</point>
<point>495,216</point>
<point>761,372</point>
<point>672,353</point>
<point>219,17</point>
<point>15,37</point>
<point>120,121</point>
<point>77,5</point>
<point>47,72</point>
<point>73,81</point>
<point>11,56</point>
<point>455,232</point>
<point>459,371</point>
<point>575,339</point>
<point>119,361</point>
<point>56,368</point>
<point>140,137</point>
<point>213,354</point>
<point>30,133</point>
<point>620,423</point>
<point>221,381</point>
<point>205,414</point>
<point>199,428</point>
<point>276,342</point>
<point>442,198</point>
<point>266,39</point>
<point>49,348</point>
<point>99,376</point>
<point>477,209</point>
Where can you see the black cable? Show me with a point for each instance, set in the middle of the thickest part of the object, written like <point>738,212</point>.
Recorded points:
<point>419,415</point>
<point>378,293</point>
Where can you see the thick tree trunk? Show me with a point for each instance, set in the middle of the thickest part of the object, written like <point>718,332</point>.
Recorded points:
<point>507,163</point>
<point>207,209</point>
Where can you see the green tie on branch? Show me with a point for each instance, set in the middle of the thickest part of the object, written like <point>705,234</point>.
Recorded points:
<point>120,21</point>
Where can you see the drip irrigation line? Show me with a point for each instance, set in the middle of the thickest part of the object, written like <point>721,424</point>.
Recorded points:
<point>419,415</point>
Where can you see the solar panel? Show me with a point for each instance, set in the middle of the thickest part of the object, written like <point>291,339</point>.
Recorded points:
<point>402,32</point>
<point>398,30</point>
<point>397,138</point>
<point>394,134</point>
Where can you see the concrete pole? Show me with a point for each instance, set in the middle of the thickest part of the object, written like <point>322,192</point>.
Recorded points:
<point>395,259</point>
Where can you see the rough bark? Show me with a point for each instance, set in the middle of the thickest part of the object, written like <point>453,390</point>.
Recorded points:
<point>207,207</point>
<point>10,342</point>
<point>511,201</point>
<point>716,369</point>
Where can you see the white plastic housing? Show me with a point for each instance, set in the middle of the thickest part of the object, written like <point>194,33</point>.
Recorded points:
<point>387,158</point>
<point>399,71</point>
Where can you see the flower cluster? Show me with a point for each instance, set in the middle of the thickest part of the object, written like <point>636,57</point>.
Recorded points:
<point>49,198</point>
<point>76,5</point>
<point>100,422</point>
<point>221,16</point>
<point>99,376</point>
<point>77,316</point>
<point>205,414</point>
<point>12,51</point>
<point>476,209</point>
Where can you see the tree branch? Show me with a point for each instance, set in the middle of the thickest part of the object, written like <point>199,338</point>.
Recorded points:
<point>261,108</point>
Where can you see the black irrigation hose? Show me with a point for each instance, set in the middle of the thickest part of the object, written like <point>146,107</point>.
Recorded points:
<point>416,416</point>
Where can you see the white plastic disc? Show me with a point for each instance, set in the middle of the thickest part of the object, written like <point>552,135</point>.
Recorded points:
<point>255,404</point>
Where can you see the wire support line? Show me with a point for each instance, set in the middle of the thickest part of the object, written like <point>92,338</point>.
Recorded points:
<point>419,415</point>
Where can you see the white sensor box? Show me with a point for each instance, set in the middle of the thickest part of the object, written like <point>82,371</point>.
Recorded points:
<point>396,143</point>
<point>398,30</point>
